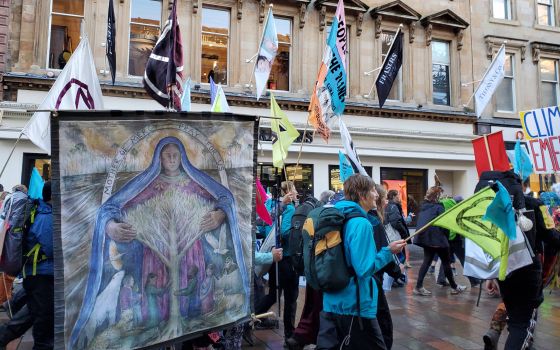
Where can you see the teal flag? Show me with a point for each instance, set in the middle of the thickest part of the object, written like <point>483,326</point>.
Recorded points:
<point>346,169</point>
<point>522,165</point>
<point>500,212</point>
<point>36,184</point>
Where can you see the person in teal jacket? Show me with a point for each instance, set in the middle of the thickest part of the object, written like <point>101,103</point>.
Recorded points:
<point>341,325</point>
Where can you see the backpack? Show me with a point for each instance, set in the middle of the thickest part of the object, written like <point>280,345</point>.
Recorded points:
<point>323,249</point>
<point>17,212</point>
<point>296,239</point>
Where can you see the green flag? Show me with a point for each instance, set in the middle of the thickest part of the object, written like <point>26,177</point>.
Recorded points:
<point>465,219</point>
<point>283,133</point>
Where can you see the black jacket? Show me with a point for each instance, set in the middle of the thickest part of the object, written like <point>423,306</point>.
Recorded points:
<point>510,180</point>
<point>433,236</point>
<point>394,216</point>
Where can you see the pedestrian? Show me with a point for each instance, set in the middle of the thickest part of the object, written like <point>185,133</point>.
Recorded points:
<point>342,324</point>
<point>434,241</point>
<point>395,217</point>
<point>308,326</point>
<point>38,278</point>
<point>20,320</point>
<point>288,279</point>
<point>3,195</point>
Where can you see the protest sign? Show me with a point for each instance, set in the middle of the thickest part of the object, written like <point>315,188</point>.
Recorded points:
<point>542,131</point>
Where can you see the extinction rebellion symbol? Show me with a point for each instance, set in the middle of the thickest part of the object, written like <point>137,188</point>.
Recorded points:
<point>82,93</point>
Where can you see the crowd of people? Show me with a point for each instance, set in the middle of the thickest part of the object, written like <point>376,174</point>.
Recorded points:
<point>374,238</point>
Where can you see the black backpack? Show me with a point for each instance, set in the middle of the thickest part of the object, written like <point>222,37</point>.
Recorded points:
<point>295,244</point>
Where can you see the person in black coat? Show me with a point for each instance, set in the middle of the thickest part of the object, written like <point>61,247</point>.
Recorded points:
<point>434,241</point>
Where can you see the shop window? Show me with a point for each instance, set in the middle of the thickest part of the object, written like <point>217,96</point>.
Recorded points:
<point>66,21</point>
<point>280,74</point>
<point>549,82</point>
<point>301,175</point>
<point>440,73</point>
<point>35,160</point>
<point>145,24</point>
<point>334,177</point>
<point>215,44</point>
<point>386,40</point>
<point>416,185</point>
<point>505,94</point>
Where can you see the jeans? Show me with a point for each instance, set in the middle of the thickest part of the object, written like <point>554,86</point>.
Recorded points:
<point>40,301</point>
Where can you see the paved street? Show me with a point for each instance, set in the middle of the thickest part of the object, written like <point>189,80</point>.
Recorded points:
<point>443,321</point>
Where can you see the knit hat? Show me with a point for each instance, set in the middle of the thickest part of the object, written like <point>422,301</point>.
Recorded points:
<point>433,193</point>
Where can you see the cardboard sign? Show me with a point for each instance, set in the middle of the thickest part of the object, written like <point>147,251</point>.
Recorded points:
<point>542,130</point>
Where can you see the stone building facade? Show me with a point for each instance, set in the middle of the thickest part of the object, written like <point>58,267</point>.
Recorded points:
<point>426,126</point>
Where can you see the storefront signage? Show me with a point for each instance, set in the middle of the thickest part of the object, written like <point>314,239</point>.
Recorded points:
<point>542,131</point>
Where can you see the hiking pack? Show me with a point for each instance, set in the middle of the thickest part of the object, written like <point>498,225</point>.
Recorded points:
<point>17,214</point>
<point>323,249</point>
<point>296,238</point>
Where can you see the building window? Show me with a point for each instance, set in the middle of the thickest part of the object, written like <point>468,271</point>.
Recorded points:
<point>549,82</point>
<point>501,9</point>
<point>145,24</point>
<point>302,176</point>
<point>505,94</point>
<point>386,40</point>
<point>416,186</point>
<point>334,177</point>
<point>280,74</point>
<point>66,18</point>
<point>440,73</point>
<point>215,42</point>
<point>545,12</point>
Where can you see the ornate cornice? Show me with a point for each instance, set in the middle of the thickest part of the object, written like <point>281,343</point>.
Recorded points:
<point>495,42</point>
<point>12,83</point>
<point>539,47</point>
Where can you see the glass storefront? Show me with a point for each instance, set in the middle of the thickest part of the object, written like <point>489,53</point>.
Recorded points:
<point>416,185</point>
<point>302,176</point>
<point>40,161</point>
<point>334,177</point>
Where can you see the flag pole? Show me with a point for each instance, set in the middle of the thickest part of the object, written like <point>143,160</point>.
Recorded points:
<point>487,147</point>
<point>11,153</point>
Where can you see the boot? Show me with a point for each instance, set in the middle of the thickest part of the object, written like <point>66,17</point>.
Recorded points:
<point>491,339</point>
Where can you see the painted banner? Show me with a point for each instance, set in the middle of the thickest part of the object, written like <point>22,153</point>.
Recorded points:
<point>399,186</point>
<point>542,131</point>
<point>329,95</point>
<point>267,53</point>
<point>153,237</point>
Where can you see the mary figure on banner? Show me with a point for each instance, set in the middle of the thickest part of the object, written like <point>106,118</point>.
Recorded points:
<point>152,229</point>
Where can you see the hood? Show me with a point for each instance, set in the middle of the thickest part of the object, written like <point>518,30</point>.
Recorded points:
<point>347,207</point>
<point>43,207</point>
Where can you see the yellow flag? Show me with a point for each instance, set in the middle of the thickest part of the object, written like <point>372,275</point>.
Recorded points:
<point>465,219</point>
<point>283,134</point>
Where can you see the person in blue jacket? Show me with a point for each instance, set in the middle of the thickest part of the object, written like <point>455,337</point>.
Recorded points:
<point>341,325</point>
<point>38,280</point>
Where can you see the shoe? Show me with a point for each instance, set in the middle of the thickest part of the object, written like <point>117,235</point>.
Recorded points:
<point>293,344</point>
<point>442,284</point>
<point>491,339</point>
<point>421,291</point>
<point>460,289</point>
<point>432,270</point>
<point>407,265</point>
<point>267,323</point>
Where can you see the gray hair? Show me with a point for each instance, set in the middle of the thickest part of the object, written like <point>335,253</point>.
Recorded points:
<point>326,196</point>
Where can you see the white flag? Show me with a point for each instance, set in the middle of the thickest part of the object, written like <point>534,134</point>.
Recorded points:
<point>220,102</point>
<point>267,53</point>
<point>350,149</point>
<point>77,87</point>
<point>490,82</point>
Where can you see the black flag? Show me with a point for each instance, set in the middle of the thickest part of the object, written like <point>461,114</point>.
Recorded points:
<point>390,68</point>
<point>110,48</point>
<point>163,77</point>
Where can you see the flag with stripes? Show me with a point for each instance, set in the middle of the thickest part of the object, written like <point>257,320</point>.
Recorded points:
<point>350,150</point>
<point>164,70</point>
